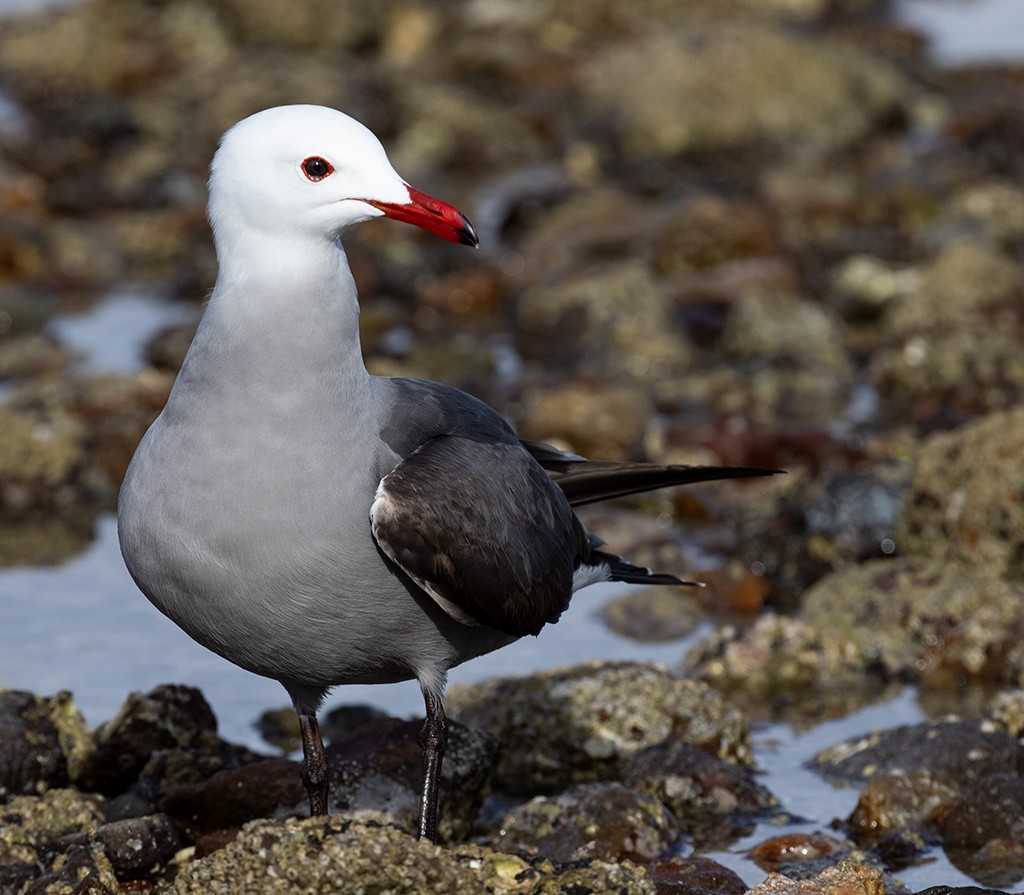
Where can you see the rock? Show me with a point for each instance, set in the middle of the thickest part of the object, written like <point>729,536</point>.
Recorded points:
<point>949,349</point>
<point>138,847</point>
<point>81,870</point>
<point>899,801</point>
<point>983,831</point>
<point>652,615</point>
<point>349,857</point>
<point>43,742</point>
<point>579,724</point>
<point>739,86</point>
<point>30,825</point>
<point>585,231</point>
<point>694,876</point>
<point>936,621</point>
<point>377,772</point>
<point>992,808</point>
<point>801,346</point>
<point>846,878</point>
<point>604,821</point>
<point>232,797</point>
<point>168,716</point>
<point>42,459</point>
<point>597,419</point>
<point>964,499</point>
<point>707,231</point>
<point>962,752</point>
<point>780,853</point>
<point>1006,709</point>
<point>783,661</point>
<point>616,322</point>
<point>711,799</point>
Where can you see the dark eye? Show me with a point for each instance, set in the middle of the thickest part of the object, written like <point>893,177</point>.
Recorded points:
<point>316,168</point>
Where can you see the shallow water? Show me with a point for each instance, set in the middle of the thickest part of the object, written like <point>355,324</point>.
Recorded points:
<point>83,626</point>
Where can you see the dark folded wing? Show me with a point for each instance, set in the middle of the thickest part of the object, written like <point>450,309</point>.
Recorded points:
<point>481,528</point>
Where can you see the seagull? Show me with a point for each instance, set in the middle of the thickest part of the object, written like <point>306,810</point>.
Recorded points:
<point>321,526</point>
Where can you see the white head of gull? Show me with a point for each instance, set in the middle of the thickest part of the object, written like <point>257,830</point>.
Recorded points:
<point>321,526</point>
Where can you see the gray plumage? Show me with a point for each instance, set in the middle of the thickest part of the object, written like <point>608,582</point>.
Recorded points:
<point>321,526</point>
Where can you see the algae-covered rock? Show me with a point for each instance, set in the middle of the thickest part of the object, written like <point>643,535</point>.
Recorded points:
<point>709,798</point>
<point>28,824</point>
<point>579,724</point>
<point>846,878</point>
<point>606,821</point>
<point>42,457</point>
<point>736,85</point>
<point>951,344</point>
<point>348,857</point>
<point>43,742</point>
<point>966,498</point>
<point>617,321</point>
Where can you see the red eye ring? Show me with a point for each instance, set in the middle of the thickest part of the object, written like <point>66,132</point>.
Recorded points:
<point>316,168</point>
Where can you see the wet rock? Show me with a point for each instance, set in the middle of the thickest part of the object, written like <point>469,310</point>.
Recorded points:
<point>707,231</point>
<point>348,857</point>
<point>992,210</point>
<point>781,852</point>
<point>280,729</point>
<point>846,878</point>
<point>652,615</point>
<point>168,716</point>
<point>31,355</point>
<point>939,622</point>
<point>138,847</point>
<point>694,876</point>
<point>587,230</point>
<point>232,797</point>
<point>29,825</point>
<point>43,459</point>
<point>377,772</point>
<point>344,722</point>
<point>711,799</point>
<point>43,742</point>
<point>819,95</point>
<point>964,498</point>
<point>579,724</point>
<point>597,419</point>
<point>793,357</point>
<point>81,870</point>
<point>991,809</point>
<point>606,821</point>
<point>441,120</point>
<point>963,752</point>
<point>900,801</point>
<point>781,661</point>
<point>1006,710</point>
<point>950,348</point>
<point>616,321</point>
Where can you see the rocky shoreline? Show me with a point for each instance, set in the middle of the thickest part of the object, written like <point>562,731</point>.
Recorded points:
<point>758,231</point>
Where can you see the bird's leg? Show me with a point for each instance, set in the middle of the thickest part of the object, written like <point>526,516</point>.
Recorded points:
<point>314,764</point>
<point>433,739</point>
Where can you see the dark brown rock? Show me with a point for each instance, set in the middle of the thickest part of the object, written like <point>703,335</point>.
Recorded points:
<point>138,847</point>
<point>169,716</point>
<point>232,797</point>
<point>42,742</point>
<point>711,799</point>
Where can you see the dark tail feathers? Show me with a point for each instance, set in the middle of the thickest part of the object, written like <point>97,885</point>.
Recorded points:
<point>625,571</point>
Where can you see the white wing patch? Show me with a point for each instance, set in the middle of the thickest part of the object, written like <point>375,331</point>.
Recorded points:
<point>585,575</point>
